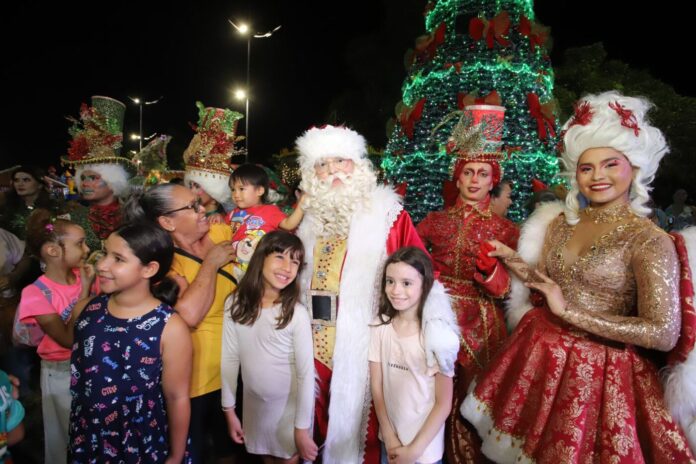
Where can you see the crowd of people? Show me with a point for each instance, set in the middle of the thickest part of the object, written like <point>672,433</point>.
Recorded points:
<point>197,322</point>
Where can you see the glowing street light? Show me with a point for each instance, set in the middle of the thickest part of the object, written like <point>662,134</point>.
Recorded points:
<point>140,103</point>
<point>240,94</point>
<point>243,29</point>
<point>139,137</point>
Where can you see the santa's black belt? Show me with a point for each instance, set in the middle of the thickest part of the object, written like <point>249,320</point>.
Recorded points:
<point>322,305</point>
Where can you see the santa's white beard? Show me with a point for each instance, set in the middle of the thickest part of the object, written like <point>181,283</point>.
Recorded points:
<point>330,208</point>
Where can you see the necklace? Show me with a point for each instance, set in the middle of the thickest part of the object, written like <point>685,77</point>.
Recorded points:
<point>608,215</point>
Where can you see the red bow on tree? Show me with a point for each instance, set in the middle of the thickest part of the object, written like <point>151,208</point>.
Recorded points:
<point>495,29</point>
<point>426,45</point>
<point>466,99</point>
<point>409,117</point>
<point>401,189</point>
<point>535,32</point>
<point>457,66</point>
<point>538,186</point>
<point>543,115</point>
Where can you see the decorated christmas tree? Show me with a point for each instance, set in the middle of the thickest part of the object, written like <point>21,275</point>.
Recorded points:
<point>475,52</point>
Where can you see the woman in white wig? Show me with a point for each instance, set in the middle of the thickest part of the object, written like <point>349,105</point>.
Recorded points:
<point>572,383</point>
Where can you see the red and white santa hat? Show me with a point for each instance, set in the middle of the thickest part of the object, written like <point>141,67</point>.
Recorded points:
<point>330,142</point>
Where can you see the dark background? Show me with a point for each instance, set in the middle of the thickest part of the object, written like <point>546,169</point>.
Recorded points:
<point>330,62</point>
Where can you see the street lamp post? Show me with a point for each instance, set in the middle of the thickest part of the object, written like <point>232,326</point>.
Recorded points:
<point>243,29</point>
<point>140,104</point>
<point>241,94</point>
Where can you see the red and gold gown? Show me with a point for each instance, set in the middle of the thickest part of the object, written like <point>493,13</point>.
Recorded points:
<point>580,389</point>
<point>454,236</point>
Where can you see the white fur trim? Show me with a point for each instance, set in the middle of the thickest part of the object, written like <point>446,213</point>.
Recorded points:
<point>496,445</point>
<point>359,298</point>
<point>680,379</point>
<point>330,141</point>
<point>115,176</point>
<point>215,184</point>
<point>529,247</point>
<point>440,330</point>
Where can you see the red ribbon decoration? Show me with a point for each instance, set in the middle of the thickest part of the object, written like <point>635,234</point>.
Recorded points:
<point>426,45</point>
<point>543,115</point>
<point>494,30</point>
<point>628,119</point>
<point>409,117</point>
<point>401,189</point>
<point>535,32</point>
<point>457,66</point>
<point>582,114</point>
<point>466,99</point>
<point>538,186</point>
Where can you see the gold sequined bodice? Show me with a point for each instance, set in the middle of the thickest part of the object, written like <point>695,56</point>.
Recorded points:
<point>624,287</point>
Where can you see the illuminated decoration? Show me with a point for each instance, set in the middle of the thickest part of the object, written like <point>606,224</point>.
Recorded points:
<point>475,52</point>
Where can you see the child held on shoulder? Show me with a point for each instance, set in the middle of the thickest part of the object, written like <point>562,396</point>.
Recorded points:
<point>268,332</point>
<point>412,401</point>
<point>252,218</point>
<point>46,315</point>
<point>131,362</point>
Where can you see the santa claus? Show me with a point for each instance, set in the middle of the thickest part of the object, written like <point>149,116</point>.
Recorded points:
<point>351,225</point>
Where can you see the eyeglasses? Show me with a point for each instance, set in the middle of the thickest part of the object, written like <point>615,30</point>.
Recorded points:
<point>195,205</point>
<point>323,166</point>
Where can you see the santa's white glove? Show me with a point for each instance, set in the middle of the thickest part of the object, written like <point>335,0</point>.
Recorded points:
<point>441,345</point>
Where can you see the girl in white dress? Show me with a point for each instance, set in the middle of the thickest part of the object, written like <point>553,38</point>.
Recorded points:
<point>268,332</point>
<point>411,400</point>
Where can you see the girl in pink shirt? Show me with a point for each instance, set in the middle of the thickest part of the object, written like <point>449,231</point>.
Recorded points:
<point>411,400</point>
<point>47,304</point>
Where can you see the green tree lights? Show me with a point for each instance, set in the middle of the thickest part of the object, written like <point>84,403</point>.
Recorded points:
<point>475,52</point>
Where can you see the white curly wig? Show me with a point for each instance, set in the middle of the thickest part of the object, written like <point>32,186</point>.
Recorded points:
<point>115,176</point>
<point>215,184</point>
<point>644,150</point>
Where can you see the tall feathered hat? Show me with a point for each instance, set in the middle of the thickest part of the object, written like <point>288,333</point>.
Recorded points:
<point>477,136</point>
<point>207,158</point>
<point>96,142</point>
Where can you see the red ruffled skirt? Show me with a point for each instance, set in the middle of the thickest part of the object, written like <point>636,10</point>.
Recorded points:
<point>556,394</point>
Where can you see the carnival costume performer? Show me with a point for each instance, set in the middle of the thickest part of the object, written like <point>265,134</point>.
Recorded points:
<point>101,172</point>
<point>350,227</point>
<point>207,159</point>
<point>573,383</point>
<point>457,237</point>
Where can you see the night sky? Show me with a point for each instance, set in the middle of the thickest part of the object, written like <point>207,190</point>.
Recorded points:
<point>351,58</point>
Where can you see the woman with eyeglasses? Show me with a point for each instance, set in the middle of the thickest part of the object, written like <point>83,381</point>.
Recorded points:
<point>201,267</point>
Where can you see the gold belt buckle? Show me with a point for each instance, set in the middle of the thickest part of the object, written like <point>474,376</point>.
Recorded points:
<point>322,305</point>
